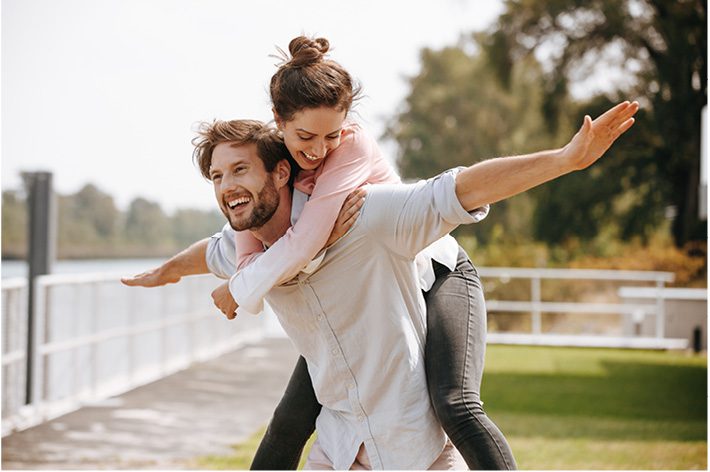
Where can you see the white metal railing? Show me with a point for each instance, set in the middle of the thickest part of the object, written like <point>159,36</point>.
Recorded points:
<point>95,337</point>
<point>14,348</point>
<point>536,306</point>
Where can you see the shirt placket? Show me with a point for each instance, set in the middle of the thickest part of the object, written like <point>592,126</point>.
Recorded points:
<point>344,374</point>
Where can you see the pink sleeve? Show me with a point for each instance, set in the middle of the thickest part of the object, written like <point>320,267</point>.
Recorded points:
<point>347,168</point>
<point>248,248</point>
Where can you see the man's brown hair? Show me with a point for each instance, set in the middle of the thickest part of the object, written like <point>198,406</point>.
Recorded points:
<point>269,145</point>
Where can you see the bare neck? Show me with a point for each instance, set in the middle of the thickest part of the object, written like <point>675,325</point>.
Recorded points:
<point>279,223</point>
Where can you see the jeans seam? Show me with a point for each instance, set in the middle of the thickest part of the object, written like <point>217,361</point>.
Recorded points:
<point>469,347</point>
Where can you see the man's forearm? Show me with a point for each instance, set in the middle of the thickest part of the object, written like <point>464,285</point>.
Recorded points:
<point>503,177</point>
<point>497,179</point>
<point>190,261</point>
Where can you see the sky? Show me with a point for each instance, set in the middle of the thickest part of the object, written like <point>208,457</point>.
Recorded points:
<point>111,91</point>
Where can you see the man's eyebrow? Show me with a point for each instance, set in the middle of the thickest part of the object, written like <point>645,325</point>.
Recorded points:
<point>314,134</point>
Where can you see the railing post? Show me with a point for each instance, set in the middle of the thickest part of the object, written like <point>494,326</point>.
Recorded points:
<point>535,291</point>
<point>660,310</point>
<point>40,252</point>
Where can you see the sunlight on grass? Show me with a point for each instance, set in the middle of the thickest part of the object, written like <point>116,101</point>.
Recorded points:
<point>568,408</point>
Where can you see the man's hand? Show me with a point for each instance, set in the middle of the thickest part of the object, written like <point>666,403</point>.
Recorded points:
<point>595,137</point>
<point>191,261</point>
<point>348,215</point>
<point>152,278</point>
<point>224,301</point>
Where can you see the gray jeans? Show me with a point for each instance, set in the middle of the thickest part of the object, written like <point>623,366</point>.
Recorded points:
<point>454,356</point>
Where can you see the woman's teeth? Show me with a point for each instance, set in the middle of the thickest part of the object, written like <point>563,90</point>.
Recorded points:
<point>309,157</point>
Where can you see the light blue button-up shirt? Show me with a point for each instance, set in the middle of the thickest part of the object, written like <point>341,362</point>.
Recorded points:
<point>357,315</point>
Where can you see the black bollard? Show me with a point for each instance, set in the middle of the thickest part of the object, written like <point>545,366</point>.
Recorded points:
<point>697,339</point>
<point>40,251</point>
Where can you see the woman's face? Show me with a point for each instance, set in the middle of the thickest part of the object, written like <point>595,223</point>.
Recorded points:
<point>311,134</point>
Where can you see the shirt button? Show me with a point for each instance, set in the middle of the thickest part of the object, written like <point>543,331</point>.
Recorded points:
<point>334,351</point>
<point>360,417</point>
<point>351,385</point>
<point>319,317</point>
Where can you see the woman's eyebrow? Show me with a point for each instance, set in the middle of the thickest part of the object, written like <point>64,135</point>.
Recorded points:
<point>315,134</point>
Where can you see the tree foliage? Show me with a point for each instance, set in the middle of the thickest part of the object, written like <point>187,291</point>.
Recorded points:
<point>90,225</point>
<point>507,91</point>
<point>661,47</point>
<point>458,113</point>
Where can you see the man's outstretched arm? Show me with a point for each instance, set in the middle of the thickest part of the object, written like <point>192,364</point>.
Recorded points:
<point>497,179</point>
<point>191,261</point>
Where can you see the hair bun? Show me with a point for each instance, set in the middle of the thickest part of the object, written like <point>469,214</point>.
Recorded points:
<point>305,51</point>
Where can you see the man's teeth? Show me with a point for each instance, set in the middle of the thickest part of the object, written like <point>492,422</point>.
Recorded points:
<point>237,201</point>
<point>309,157</point>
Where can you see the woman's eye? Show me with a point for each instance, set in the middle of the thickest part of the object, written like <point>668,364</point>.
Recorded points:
<point>302,138</point>
<point>333,137</point>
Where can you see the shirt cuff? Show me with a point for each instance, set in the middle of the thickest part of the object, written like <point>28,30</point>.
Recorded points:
<point>245,303</point>
<point>220,254</point>
<point>449,205</point>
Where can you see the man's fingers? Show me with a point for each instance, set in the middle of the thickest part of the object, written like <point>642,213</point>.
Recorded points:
<point>623,117</point>
<point>608,116</point>
<point>624,127</point>
<point>137,280</point>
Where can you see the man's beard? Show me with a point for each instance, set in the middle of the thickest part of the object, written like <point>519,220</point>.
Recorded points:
<point>265,206</point>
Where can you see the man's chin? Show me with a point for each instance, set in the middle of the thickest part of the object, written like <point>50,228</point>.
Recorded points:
<point>240,225</point>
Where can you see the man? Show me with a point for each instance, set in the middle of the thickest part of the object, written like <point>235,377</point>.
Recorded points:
<point>362,331</point>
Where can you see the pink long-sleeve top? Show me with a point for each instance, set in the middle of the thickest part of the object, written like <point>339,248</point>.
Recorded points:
<point>356,162</point>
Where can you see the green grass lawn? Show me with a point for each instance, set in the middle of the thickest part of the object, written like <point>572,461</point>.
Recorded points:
<point>566,408</point>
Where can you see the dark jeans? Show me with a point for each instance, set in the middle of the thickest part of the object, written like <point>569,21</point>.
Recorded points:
<point>454,355</point>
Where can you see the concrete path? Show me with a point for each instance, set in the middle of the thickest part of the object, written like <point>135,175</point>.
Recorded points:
<point>163,425</point>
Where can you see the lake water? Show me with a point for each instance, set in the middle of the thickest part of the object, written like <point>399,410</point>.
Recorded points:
<point>127,266</point>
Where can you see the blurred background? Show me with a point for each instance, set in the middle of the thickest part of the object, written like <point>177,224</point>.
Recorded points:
<point>106,95</point>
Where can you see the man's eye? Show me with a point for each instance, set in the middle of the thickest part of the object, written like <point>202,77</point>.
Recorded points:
<point>240,169</point>
<point>216,177</point>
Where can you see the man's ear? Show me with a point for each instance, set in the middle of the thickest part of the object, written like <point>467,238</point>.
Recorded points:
<point>282,173</point>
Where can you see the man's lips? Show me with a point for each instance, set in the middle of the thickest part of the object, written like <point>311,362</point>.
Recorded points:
<point>237,202</point>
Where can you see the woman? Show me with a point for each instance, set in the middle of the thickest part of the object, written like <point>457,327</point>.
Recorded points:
<point>311,98</point>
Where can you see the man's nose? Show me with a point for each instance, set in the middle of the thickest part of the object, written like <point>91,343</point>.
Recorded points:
<point>229,183</point>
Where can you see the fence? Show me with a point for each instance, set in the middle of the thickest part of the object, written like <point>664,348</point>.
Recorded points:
<point>95,338</point>
<point>536,306</point>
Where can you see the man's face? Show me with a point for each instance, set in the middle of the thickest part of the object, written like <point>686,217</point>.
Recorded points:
<point>245,192</point>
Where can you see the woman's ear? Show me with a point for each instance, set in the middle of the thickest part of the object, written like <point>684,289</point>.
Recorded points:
<point>277,119</point>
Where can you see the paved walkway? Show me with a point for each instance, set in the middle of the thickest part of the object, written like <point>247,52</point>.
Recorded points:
<point>163,425</point>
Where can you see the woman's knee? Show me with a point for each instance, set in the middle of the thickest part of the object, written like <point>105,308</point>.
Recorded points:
<point>454,406</point>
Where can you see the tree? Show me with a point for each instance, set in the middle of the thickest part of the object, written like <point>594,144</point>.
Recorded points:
<point>458,113</point>
<point>14,225</point>
<point>146,225</point>
<point>189,226</point>
<point>660,44</point>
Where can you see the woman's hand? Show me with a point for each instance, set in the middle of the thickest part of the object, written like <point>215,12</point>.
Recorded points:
<point>595,137</point>
<point>348,215</point>
<point>223,300</point>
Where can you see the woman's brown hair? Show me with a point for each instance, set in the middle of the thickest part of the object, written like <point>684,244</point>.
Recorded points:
<point>309,80</point>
